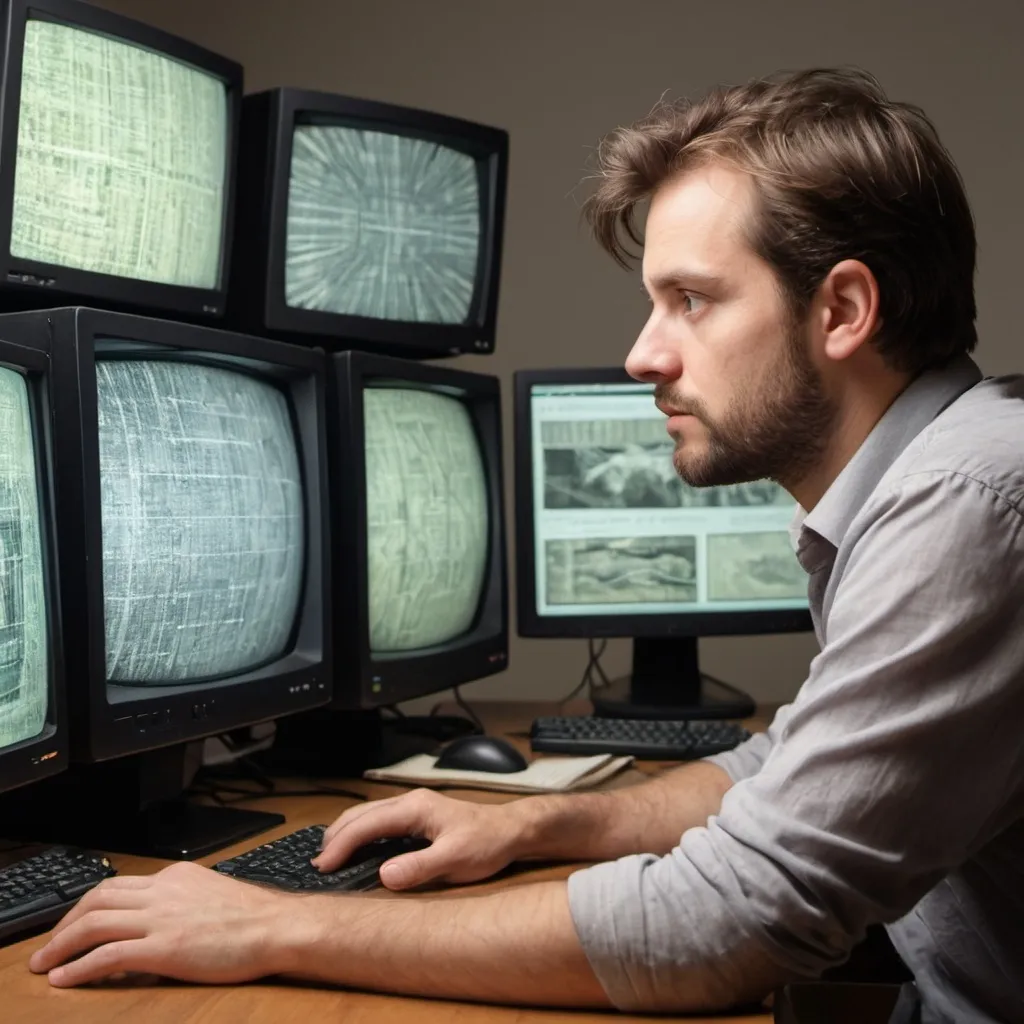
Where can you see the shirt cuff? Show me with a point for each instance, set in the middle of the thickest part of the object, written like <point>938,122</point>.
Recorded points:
<point>599,902</point>
<point>744,761</point>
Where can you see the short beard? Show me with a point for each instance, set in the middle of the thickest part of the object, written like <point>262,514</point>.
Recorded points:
<point>777,429</point>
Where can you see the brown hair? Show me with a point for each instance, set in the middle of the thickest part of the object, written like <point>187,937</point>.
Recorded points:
<point>841,172</point>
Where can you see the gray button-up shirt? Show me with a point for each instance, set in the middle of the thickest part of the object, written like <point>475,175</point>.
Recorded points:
<point>892,788</point>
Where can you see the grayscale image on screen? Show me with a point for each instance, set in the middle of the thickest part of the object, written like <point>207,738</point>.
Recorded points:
<point>203,520</point>
<point>621,570</point>
<point>619,463</point>
<point>381,226</point>
<point>753,567</point>
<point>427,518</point>
<point>24,667</point>
<point>121,158</point>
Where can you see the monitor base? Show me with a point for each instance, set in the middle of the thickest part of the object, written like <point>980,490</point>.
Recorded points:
<point>714,700</point>
<point>667,683</point>
<point>129,805</point>
<point>341,744</point>
<point>171,830</point>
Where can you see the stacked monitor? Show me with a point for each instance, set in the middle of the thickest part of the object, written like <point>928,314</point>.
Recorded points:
<point>190,465</point>
<point>363,223</point>
<point>117,157</point>
<point>421,577</point>
<point>33,722</point>
<point>611,543</point>
<point>419,556</point>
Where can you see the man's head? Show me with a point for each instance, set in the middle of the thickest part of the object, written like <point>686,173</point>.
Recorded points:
<point>796,224</point>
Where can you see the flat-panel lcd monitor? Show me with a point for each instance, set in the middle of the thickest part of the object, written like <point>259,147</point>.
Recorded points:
<point>612,543</point>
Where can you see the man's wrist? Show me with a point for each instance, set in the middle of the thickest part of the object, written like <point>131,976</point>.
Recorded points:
<point>552,826</point>
<point>297,927</point>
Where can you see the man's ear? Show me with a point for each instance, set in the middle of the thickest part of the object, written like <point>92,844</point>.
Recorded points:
<point>846,310</point>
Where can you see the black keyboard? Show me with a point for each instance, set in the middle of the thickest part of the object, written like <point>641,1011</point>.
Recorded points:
<point>39,890</point>
<point>285,863</point>
<point>654,740</point>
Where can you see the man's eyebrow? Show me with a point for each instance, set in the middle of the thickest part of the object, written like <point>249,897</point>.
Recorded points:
<point>669,280</point>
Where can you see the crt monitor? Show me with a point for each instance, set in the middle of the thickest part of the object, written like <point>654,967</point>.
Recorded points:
<point>33,723</point>
<point>117,159</point>
<point>365,225</point>
<point>419,591</point>
<point>611,543</point>
<point>191,476</point>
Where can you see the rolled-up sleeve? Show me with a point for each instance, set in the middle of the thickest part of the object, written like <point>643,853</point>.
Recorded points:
<point>748,758</point>
<point>899,759</point>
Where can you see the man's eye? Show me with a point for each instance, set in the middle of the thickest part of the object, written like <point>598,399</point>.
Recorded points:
<point>693,303</point>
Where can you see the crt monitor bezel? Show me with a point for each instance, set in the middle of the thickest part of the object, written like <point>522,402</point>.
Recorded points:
<point>159,716</point>
<point>361,679</point>
<point>46,754</point>
<point>30,282</point>
<point>268,120</point>
<point>530,623</point>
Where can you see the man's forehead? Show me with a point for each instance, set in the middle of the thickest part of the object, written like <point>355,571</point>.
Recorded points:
<point>697,219</point>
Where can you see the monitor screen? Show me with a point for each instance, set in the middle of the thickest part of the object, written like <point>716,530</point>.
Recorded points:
<point>427,518</point>
<point>203,520</point>
<point>618,533</point>
<point>381,225</point>
<point>24,664</point>
<point>121,159</point>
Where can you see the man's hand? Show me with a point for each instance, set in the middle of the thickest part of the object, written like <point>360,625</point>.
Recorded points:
<point>185,922</point>
<point>469,841</point>
<point>193,924</point>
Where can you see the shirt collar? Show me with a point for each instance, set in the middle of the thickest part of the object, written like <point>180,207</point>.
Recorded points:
<point>916,406</point>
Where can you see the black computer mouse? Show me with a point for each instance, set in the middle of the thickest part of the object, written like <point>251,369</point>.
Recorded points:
<point>481,754</point>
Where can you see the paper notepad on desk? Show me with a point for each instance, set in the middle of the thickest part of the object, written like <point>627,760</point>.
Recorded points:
<point>544,775</point>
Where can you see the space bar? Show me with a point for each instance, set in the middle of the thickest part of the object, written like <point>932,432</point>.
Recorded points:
<point>645,751</point>
<point>20,910</point>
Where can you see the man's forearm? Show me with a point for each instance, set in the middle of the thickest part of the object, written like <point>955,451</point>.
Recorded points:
<point>646,818</point>
<point>518,946</point>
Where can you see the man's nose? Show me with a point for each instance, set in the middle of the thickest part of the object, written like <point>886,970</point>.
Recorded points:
<point>653,358</point>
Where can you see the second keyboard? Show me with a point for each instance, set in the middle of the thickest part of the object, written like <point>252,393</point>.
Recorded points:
<point>648,739</point>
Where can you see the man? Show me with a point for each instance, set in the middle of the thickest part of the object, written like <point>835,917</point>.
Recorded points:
<point>809,256</point>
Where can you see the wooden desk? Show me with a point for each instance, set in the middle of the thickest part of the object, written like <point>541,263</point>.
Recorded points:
<point>29,999</point>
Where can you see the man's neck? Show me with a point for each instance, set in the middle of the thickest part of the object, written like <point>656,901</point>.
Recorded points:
<point>856,417</point>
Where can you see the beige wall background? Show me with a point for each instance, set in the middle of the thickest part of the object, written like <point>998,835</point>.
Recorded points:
<point>558,74</point>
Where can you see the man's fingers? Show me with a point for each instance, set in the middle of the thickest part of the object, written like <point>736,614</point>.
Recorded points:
<point>105,961</point>
<point>106,896</point>
<point>97,928</point>
<point>353,814</point>
<point>412,869</point>
<point>387,822</point>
